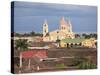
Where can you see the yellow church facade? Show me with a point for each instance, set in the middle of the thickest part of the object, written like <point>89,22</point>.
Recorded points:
<point>64,31</point>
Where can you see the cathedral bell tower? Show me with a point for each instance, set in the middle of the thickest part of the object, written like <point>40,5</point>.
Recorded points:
<point>45,28</point>
<point>70,26</point>
<point>63,25</point>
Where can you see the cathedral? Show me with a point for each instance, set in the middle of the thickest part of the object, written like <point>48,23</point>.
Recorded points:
<point>64,31</point>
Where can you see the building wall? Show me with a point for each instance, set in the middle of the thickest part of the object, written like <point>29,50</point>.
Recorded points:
<point>89,43</point>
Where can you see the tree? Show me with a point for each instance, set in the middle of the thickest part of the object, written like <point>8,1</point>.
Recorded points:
<point>58,42</point>
<point>26,35</point>
<point>38,34</point>
<point>86,36</point>
<point>77,35</point>
<point>93,35</point>
<point>85,64</point>
<point>21,44</point>
<point>35,34</point>
<point>32,33</point>
<point>17,34</point>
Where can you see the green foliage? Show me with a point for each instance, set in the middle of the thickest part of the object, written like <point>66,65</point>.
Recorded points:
<point>32,33</point>
<point>87,36</point>
<point>21,44</point>
<point>58,41</point>
<point>84,63</point>
<point>35,34</point>
<point>17,34</point>
<point>60,65</point>
<point>28,34</point>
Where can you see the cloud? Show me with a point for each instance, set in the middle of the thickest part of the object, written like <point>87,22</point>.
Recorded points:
<point>30,16</point>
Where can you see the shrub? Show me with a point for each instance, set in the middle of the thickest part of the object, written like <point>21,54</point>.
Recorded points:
<point>60,65</point>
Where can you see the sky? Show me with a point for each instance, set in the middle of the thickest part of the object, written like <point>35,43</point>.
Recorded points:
<point>29,16</point>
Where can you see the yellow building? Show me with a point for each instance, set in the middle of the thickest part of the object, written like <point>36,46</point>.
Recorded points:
<point>64,31</point>
<point>63,44</point>
<point>89,43</point>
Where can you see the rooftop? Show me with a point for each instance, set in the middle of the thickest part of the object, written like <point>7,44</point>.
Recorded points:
<point>75,40</point>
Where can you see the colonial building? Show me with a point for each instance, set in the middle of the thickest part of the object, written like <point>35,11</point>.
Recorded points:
<point>78,42</point>
<point>64,31</point>
<point>91,43</point>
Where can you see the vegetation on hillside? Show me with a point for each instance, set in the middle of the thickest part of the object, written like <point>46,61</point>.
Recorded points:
<point>27,34</point>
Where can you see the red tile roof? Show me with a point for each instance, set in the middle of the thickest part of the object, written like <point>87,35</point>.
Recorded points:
<point>35,53</point>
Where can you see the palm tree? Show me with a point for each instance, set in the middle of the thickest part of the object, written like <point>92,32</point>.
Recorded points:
<point>21,44</point>
<point>58,42</point>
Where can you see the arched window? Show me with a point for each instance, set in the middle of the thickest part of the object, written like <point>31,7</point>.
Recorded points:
<point>80,44</point>
<point>75,44</point>
<point>68,45</point>
<point>71,45</point>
